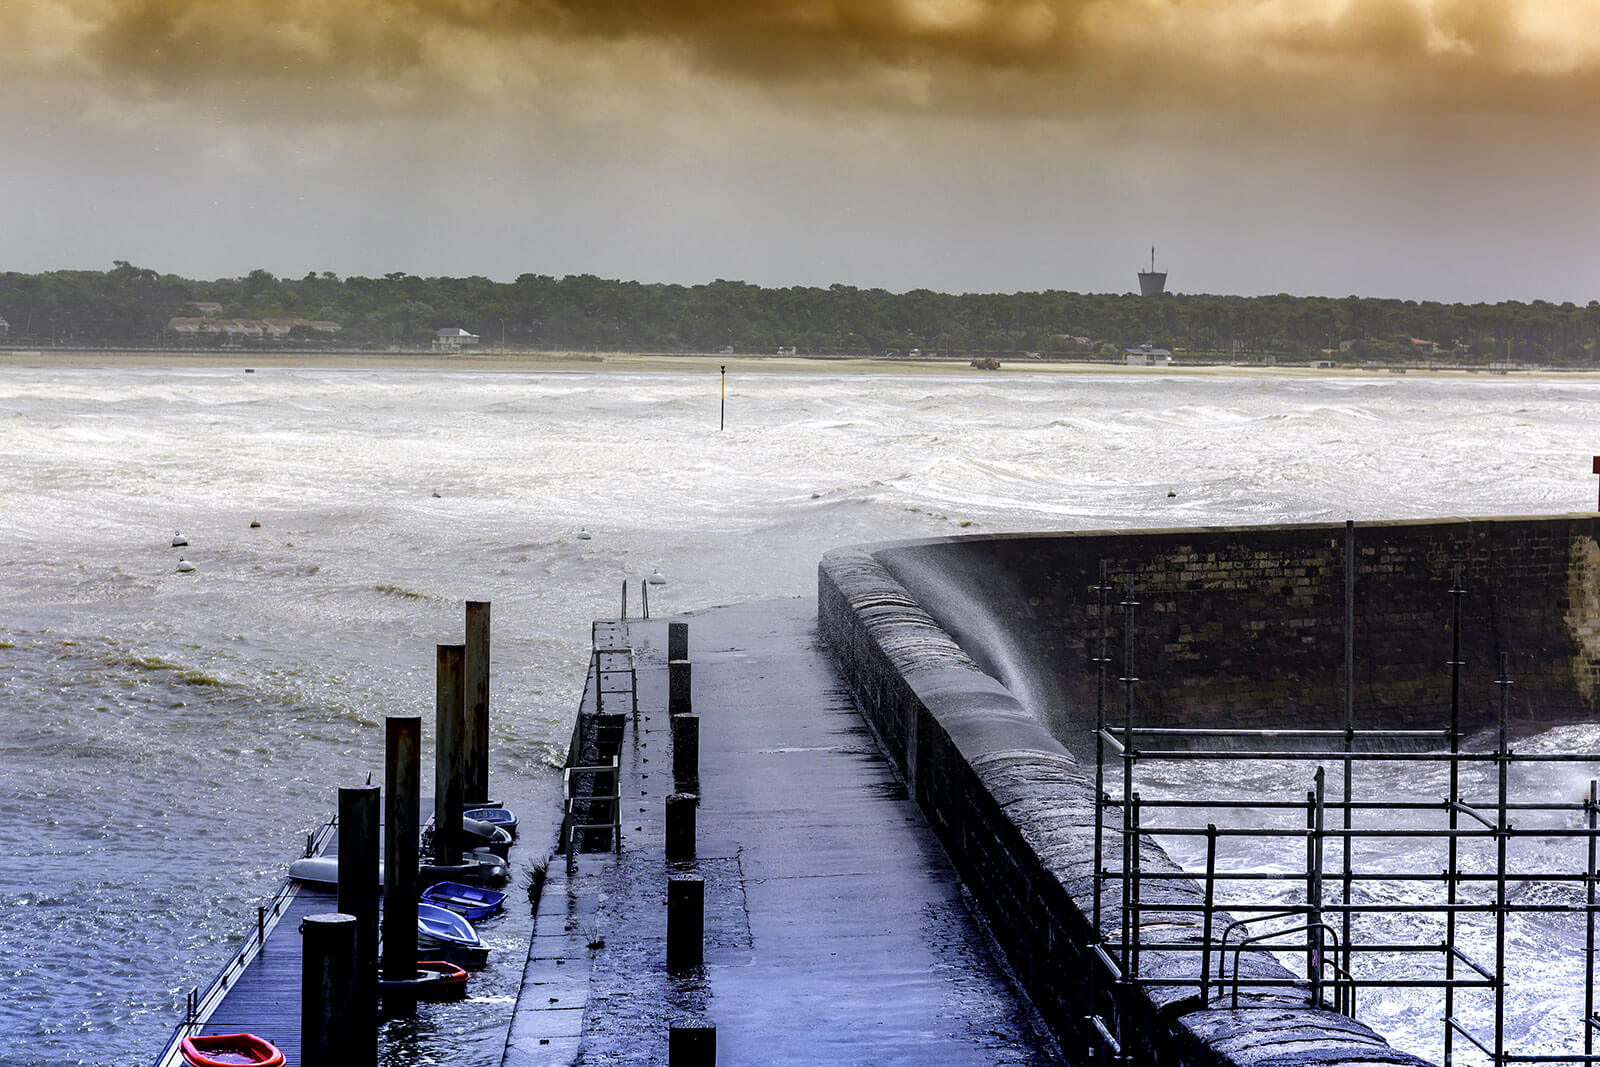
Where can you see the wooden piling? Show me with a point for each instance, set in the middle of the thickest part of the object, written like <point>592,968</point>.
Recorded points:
<point>449,705</point>
<point>686,753</point>
<point>680,697</point>
<point>692,1045</point>
<point>677,640</point>
<point>402,786</point>
<point>686,920</point>
<point>475,746</point>
<point>327,986</point>
<point>358,896</point>
<point>680,827</point>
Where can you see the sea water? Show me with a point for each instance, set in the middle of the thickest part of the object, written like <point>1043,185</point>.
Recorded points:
<point>167,739</point>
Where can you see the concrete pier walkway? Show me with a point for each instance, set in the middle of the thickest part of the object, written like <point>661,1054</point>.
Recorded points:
<point>835,930</point>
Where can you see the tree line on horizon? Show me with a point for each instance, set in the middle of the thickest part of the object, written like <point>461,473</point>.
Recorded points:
<point>132,306</point>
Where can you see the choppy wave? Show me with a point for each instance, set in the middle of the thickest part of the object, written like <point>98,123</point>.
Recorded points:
<point>182,730</point>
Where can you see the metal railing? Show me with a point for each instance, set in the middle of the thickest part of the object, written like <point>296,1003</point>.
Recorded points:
<point>200,1002</point>
<point>1334,902</point>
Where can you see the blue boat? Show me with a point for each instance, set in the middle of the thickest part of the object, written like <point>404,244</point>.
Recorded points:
<point>504,818</point>
<point>442,928</point>
<point>469,901</point>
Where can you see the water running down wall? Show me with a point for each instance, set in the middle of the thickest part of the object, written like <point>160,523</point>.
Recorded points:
<point>972,659</point>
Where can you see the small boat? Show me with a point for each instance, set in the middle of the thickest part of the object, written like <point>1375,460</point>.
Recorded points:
<point>444,933</point>
<point>583,535</point>
<point>320,870</point>
<point>475,834</point>
<point>184,566</point>
<point>435,980</point>
<point>441,926</point>
<point>476,868</point>
<point>229,1050</point>
<point>657,578</point>
<point>504,818</point>
<point>469,901</point>
<point>178,540</point>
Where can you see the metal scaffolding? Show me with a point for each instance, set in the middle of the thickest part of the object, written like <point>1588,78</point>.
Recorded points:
<point>1329,886</point>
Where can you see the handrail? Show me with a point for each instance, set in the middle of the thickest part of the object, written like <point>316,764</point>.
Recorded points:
<point>199,1005</point>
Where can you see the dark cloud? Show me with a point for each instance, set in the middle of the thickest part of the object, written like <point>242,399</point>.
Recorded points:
<point>1032,57</point>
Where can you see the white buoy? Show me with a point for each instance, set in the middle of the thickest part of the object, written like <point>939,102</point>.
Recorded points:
<point>583,535</point>
<point>184,566</point>
<point>657,578</point>
<point>178,540</point>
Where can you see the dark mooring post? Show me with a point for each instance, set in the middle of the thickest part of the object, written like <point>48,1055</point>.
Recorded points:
<point>402,788</point>
<point>327,975</point>
<point>680,827</point>
<point>686,752</point>
<point>686,921</point>
<point>680,697</point>
<point>692,1045</point>
<point>677,641</point>
<point>358,896</point>
<point>476,742</point>
<point>722,417</point>
<point>449,705</point>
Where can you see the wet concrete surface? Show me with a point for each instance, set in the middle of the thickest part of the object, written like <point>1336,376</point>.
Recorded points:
<point>835,929</point>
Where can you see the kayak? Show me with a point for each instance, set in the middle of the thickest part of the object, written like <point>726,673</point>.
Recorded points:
<point>229,1050</point>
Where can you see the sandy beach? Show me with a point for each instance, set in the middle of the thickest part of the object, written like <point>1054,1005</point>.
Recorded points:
<point>558,361</point>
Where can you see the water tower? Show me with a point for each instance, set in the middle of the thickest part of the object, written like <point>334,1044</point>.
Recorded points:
<point>1152,282</point>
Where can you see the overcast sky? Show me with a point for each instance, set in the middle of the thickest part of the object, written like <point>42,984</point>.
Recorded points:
<point>1426,149</point>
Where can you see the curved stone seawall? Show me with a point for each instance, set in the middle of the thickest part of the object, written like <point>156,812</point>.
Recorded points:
<point>939,639</point>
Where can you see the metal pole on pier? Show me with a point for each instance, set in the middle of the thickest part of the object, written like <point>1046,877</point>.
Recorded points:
<point>402,788</point>
<point>358,896</point>
<point>476,743</point>
<point>449,705</point>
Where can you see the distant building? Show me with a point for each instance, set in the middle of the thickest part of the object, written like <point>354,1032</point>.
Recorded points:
<point>453,339</point>
<point>1426,348</point>
<point>209,309</point>
<point>193,327</point>
<point>1147,356</point>
<point>1152,282</point>
<point>5,327</point>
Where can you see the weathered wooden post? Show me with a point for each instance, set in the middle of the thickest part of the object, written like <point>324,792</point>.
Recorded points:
<point>358,896</point>
<point>680,697</point>
<point>686,920</point>
<point>686,753</point>
<point>327,974</point>
<point>692,1045</point>
<point>447,791</point>
<point>680,826</point>
<point>476,743</point>
<point>677,640</point>
<point>402,786</point>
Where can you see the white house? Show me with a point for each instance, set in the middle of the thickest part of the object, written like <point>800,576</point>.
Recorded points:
<point>1147,356</point>
<point>5,327</point>
<point>453,339</point>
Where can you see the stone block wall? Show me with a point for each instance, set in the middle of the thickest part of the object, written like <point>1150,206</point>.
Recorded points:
<point>1246,626</point>
<point>1015,811</point>
<point>971,659</point>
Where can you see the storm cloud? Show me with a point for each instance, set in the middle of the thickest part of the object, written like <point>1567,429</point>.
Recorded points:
<point>1024,57</point>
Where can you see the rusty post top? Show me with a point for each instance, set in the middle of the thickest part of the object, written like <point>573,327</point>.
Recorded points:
<point>1597,464</point>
